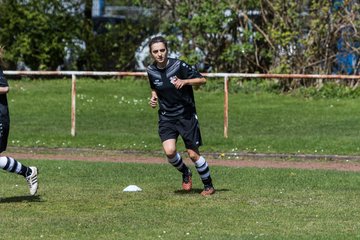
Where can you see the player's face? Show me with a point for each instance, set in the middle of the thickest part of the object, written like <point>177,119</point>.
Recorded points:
<point>159,53</point>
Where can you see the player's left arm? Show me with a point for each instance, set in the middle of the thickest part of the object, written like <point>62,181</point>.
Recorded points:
<point>195,81</point>
<point>179,83</point>
<point>189,76</point>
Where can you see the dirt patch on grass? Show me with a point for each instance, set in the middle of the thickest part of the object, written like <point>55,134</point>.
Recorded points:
<point>339,163</point>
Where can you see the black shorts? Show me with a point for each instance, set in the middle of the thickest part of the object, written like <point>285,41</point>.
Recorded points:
<point>4,134</point>
<point>188,129</point>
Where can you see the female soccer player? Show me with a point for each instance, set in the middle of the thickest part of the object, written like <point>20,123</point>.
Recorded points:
<point>171,82</point>
<point>7,163</point>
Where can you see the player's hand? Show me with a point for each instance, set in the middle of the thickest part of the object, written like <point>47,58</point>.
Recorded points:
<point>178,83</point>
<point>153,101</point>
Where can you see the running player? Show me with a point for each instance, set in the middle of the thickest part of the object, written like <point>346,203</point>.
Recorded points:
<point>171,82</point>
<point>7,163</point>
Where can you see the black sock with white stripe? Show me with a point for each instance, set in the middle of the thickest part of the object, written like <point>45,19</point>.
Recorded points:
<point>178,163</point>
<point>11,165</point>
<point>202,168</point>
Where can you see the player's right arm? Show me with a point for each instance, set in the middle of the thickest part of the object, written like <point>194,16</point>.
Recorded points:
<point>153,99</point>
<point>4,90</point>
<point>4,87</point>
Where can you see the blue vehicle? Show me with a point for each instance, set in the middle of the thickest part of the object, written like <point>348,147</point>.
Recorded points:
<point>347,58</point>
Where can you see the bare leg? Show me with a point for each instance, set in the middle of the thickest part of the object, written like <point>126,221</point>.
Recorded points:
<point>175,159</point>
<point>202,168</point>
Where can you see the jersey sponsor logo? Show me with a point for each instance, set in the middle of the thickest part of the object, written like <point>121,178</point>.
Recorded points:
<point>158,82</point>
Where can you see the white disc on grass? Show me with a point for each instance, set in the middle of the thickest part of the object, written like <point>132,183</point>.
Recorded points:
<point>132,188</point>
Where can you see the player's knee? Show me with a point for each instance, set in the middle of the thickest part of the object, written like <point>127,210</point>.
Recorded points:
<point>170,152</point>
<point>194,156</point>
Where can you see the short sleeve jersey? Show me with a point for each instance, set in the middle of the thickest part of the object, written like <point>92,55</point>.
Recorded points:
<point>4,111</point>
<point>173,103</point>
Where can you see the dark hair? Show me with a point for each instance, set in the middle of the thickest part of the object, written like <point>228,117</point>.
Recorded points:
<point>158,39</point>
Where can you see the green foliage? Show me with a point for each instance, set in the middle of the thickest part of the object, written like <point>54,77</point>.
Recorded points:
<point>37,32</point>
<point>41,33</point>
<point>260,36</point>
<point>213,30</point>
<point>241,86</point>
<point>219,36</point>
<point>114,48</point>
<point>305,35</point>
<point>329,91</point>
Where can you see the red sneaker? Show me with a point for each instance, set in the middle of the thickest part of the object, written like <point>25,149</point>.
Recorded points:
<point>187,181</point>
<point>208,190</point>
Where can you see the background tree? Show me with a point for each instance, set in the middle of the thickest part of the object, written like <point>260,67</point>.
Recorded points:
<point>309,36</point>
<point>295,36</point>
<point>213,33</point>
<point>38,32</point>
<point>111,45</point>
<point>114,48</point>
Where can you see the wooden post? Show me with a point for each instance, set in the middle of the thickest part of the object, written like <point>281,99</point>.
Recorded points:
<point>226,105</point>
<point>73,105</point>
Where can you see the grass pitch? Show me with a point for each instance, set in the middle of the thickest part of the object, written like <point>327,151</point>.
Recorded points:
<point>114,114</point>
<point>83,200</point>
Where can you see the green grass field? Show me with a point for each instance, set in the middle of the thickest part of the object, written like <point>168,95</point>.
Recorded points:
<point>83,200</point>
<point>114,114</point>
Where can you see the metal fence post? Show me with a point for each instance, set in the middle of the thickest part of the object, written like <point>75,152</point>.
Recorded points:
<point>73,105</point>
<point>226,105</point>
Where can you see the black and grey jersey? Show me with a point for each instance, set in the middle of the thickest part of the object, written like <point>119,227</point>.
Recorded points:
<point>4,111</point>
<point>173,103</point>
